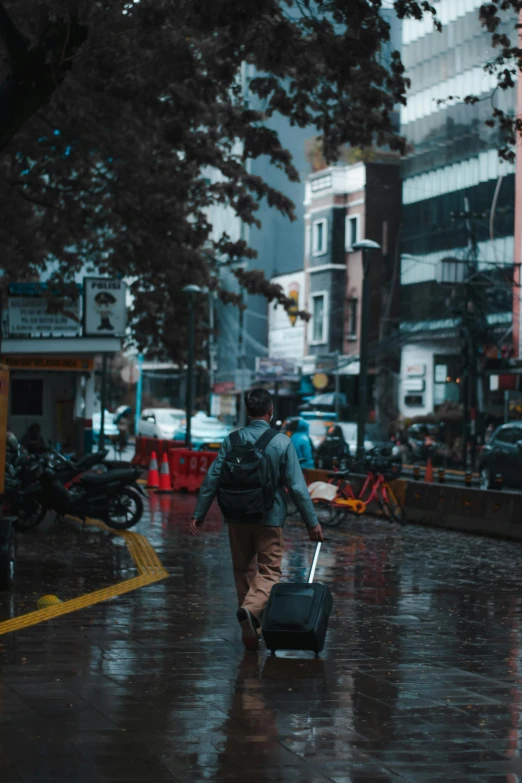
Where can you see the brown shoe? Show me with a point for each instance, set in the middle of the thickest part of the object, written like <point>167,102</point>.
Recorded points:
<point>248,624</point>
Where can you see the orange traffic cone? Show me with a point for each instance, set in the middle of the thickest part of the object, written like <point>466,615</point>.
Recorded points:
<point>428,476</point>
<point>153,477</point>
<point>165,484</point>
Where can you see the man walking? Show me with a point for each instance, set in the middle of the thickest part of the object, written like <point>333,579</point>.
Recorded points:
<point>256,514</point>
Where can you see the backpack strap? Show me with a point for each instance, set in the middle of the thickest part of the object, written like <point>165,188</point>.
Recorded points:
<point>234,438</point>
<point>265,439</point>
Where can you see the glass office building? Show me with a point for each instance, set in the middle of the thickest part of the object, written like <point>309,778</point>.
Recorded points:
<point>458,202</point>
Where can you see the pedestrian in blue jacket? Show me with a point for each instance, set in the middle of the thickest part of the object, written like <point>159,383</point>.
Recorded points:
<point>303,445</point>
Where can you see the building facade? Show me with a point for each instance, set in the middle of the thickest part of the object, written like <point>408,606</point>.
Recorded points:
<point>457,215</point>
<point>345,204</point>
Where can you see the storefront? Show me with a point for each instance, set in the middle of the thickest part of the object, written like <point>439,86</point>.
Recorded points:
<point>54,388</point>
<point>50,348</point>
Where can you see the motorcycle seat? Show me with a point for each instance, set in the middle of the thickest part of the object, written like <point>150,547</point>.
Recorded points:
<point>97,479</point>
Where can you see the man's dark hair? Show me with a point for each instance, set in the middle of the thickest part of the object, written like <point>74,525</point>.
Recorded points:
<point>258,402</point>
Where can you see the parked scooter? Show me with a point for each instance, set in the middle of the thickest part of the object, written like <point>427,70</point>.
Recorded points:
<point>114,496</point>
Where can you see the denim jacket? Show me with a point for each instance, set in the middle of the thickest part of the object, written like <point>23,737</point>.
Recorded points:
<point>285,467</point>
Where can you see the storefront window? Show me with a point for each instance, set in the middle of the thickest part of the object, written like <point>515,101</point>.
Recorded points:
<point>447,380</point>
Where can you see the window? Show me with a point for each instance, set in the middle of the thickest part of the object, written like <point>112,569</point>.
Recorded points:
<point>509,435</point>
<point>319,237</point>
<point>447,379</point>
<point>318,318</point>
<point>26,397</point>
<point>352,319</point>
<point>352,231</point>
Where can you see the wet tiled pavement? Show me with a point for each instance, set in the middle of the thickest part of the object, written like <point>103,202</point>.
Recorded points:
<point>421,678</point>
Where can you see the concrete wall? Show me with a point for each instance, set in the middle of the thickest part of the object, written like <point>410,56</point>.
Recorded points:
<point>455,508</point>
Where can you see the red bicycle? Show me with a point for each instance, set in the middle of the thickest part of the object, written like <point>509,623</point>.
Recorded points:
<point>333,511</point>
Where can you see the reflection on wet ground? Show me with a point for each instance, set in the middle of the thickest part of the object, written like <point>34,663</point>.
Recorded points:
<point>420,679</point>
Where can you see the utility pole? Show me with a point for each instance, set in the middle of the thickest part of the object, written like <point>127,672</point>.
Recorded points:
<point>365,246</point>
<point>139,392</point>
<point>211,339</point>
<point>191,291</point>
<point>103,401</point>
<point>470,375</point>
<point>337,387</point>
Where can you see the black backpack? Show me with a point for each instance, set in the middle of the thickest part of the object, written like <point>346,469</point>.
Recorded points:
<point>246,489</point>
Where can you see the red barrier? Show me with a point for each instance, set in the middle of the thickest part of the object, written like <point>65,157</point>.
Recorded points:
<point>199,463</point>
<point>145,446</point>
<point>178,461</point>
<point>189,468</point>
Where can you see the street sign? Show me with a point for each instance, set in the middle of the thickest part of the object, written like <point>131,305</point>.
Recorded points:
<point>269,369</point>
<point>414,385</point>
<point>70,363</point>
<point>293,294</point>
<point>320,380</point>
<point>416,370</point>
<point>30,316</point>
<point>223,387</point>
<point>326,362</point>
<point>105,307</point>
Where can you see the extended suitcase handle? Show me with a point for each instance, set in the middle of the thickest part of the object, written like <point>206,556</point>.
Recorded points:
<point>314,563</point>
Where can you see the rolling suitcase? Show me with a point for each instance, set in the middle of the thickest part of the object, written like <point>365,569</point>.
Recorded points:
<point>296,616</point>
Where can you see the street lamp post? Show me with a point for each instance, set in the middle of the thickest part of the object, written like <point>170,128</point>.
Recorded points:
<point>191,291</point>
<point>365,246</point>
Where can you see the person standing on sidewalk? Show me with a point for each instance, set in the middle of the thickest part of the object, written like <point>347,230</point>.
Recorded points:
<point>257,546</point>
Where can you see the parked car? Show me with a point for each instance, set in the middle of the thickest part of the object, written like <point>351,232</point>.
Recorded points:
<point>109,426</point>
<point>502,455</point>
<point>326,402</point>
<point>163,423</point>
<point>207,433</point>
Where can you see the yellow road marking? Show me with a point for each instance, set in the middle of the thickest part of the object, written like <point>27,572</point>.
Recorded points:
<point>145,559</point>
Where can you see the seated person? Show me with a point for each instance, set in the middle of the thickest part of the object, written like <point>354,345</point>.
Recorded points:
<point>32,440</point>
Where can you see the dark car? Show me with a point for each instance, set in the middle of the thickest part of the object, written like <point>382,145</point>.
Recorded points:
<point>502,455</point>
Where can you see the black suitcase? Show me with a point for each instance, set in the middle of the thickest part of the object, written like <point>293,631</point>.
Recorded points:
<point>296,616</point>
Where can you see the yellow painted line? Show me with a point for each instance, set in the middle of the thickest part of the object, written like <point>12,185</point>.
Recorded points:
<point>149,568</point>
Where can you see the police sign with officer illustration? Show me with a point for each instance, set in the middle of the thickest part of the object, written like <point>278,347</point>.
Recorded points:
<point>105,310</point>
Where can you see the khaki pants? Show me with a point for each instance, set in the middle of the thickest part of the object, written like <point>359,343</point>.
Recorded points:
<point>257,552</point>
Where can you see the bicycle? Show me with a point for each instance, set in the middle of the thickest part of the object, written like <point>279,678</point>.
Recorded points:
<point>332,512</point>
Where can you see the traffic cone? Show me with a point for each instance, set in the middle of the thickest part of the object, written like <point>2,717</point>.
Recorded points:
<point>165,484</point>
<point>153,477</point>
<point>428,476</point>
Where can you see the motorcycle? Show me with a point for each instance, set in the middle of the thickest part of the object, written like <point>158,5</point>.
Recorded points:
<point>69,470</point>
<point>114,496</point>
